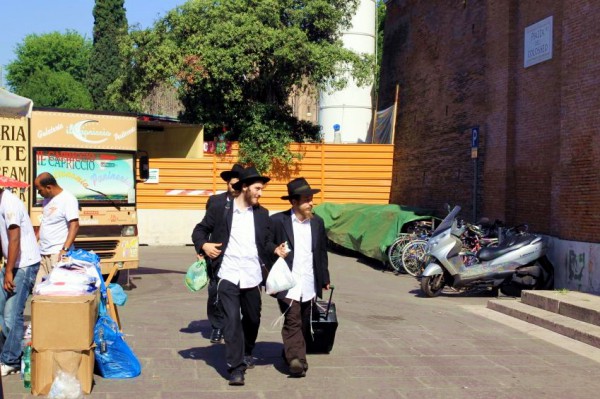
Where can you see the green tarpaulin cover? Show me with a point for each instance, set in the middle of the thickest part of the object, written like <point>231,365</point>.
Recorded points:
<point>368,229</point>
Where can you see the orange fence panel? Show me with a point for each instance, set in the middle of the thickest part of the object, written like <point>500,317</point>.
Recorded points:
<point>345,173</point>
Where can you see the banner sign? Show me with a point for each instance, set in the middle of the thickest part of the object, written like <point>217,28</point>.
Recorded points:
<point>94,177</point>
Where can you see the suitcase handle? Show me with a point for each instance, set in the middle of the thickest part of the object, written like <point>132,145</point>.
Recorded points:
<point>331,288</point>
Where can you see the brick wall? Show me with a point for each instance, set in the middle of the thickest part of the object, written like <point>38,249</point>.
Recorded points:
<point>460,64</point>
<point>577,188</point>
<point>437,58</point>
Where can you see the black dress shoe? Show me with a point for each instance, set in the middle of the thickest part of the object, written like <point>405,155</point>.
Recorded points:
<point>297,369</point>
<point>236,378</point>
<point>216,335</point>
<point>249,360</point>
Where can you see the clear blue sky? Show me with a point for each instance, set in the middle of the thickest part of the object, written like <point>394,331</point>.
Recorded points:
<point>23,17</point>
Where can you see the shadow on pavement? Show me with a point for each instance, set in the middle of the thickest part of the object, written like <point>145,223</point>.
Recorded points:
<point>198,326</point>
<point>357,257</point>
<point>265,353</point>
<point>153,270</point>
<point>449,292</point>
<point>213,356</point>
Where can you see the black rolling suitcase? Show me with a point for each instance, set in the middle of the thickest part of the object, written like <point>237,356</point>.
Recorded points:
<point>324,324</point>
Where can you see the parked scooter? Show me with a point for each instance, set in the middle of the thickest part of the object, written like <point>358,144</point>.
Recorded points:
<point>518,263</point>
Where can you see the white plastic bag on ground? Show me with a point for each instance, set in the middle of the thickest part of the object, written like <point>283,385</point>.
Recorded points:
<point>280,278</point>
<point>65,386</point>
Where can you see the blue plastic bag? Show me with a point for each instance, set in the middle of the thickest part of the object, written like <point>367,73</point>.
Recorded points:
<point>86,256</point>
<point>196,277</point>
<point>119,296</point>
<point>114,358</point>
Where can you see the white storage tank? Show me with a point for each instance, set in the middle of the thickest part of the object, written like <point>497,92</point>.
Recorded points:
<point>350,108</point>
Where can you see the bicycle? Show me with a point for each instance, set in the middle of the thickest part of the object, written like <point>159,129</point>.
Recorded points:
<point>420,230</point>
<point>413,257</point>
<point>395,251</point>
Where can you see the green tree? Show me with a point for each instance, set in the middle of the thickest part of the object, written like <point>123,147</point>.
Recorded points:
<point>236,62</point>
<point>107,61</point>
<point>57,52</point>
<point>381,11</point>
<point>56,89</point>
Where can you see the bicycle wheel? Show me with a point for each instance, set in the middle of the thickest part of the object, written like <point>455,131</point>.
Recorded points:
<point>413,257</point>
<point>395,252</point>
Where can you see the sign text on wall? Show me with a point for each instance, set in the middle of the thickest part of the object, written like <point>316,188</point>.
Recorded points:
<point>538,42</point>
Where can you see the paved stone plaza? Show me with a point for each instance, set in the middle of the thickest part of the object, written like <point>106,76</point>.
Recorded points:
<point>391,343</point>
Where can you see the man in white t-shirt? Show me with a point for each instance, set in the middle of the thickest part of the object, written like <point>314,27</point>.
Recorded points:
<point>22,255</point>
<point>60,222</point>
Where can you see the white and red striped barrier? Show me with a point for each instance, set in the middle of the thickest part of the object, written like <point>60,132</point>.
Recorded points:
<point>192,192</point>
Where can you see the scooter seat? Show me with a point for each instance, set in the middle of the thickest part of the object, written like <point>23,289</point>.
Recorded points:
<point>489,253</point>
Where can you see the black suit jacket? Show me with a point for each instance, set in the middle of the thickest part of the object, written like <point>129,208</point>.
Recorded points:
<point>216,227</point>
<point>283,231</point>
<point>218,200</point>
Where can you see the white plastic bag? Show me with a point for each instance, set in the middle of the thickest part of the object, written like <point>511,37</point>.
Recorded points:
<point>65,386</point>
<point>280,278</point>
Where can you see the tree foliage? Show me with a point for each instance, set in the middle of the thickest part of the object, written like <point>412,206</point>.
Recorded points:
<point>56,89</point>
<point>107,61</point>
<point>51,52</point>
<point>236,62</point>
<point>381,11</point>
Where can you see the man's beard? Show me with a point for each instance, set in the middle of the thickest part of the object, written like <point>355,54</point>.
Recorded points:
<point>249,198</point>
<point>307,213</point>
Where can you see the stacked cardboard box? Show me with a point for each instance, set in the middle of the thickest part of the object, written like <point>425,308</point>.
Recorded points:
<point>62,339</point>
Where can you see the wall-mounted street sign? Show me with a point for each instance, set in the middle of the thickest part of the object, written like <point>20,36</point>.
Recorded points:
<point>538,42</point>
<point>153,177</point>
<point>474,141</point>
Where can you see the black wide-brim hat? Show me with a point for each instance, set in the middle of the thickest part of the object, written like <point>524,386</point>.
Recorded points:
<point>299,186</point>
<point>234,172</point>
<point>249,176</point>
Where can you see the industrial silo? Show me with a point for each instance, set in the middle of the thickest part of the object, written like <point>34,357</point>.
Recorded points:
<point>350,109</point>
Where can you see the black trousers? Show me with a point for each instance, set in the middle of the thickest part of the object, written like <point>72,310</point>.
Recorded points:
<point>296,328</point>
<point>241,308</point>
<point>214,307</point>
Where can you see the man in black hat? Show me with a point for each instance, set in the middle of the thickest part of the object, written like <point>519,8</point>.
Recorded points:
<point>220,201</point>
<point>239,241</point>
<point>304,233</point>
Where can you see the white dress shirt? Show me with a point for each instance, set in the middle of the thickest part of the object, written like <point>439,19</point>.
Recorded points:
<point>241,264</point>
<point>302,267</point>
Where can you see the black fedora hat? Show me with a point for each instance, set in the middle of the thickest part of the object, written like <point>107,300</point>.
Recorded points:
<point>248,176</point>
<point>299,186</point>
<point>234,172</point>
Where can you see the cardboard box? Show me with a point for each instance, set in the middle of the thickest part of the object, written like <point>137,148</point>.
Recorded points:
<point>45,365</point>
<point>63,322</point>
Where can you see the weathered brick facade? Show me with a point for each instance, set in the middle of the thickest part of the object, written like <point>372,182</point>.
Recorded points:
<point>459,64</point>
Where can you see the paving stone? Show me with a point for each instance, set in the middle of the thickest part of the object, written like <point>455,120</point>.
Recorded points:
<point>391,343</point>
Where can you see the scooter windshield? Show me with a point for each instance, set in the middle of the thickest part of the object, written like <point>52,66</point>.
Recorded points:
<point>447,222</point>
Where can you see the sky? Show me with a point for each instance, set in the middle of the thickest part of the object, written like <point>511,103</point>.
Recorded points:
<point>23,17</point>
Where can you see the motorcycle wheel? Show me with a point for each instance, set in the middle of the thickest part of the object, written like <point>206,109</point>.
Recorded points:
<point>545,282</point>
<point>545,264</point>
<point>511,290</point>
<point>432,286</point>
